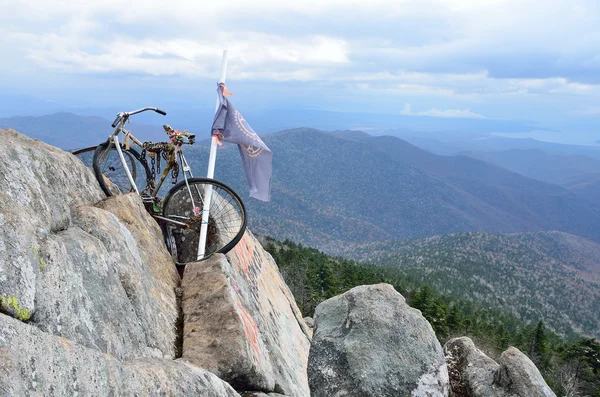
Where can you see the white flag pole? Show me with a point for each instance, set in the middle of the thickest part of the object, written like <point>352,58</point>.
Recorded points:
<point>211,171</point>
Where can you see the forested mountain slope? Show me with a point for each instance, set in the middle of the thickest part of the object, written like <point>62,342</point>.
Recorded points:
<point>329,191</point>
<point>568,366</point>
<point>550,275</point>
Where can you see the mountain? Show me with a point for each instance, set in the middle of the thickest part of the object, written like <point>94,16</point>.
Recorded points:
<point>578,173</point>
<point>588,186</point>
<point>455,142</point>
<point>564,170</point>
<point>71,131</point>
<point>550,275</point>
<point>329,191</point>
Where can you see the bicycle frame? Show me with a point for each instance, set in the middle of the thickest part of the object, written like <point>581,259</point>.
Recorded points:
<point>184,165</point>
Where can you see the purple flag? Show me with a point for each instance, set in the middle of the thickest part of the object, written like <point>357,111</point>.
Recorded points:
<point>256,156</point>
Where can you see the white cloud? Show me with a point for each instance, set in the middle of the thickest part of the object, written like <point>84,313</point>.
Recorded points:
<point>451,113</point>
<point>470,52</point>
<point>255,55</point>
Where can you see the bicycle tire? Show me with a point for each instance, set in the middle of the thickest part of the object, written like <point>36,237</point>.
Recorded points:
<point>227,220</point>
<point>86,155</point>
<point>108,165</point>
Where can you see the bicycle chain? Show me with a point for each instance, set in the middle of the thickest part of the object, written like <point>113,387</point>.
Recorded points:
<point>158,150</point>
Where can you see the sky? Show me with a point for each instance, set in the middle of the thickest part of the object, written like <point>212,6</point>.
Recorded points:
<point>523,60</point>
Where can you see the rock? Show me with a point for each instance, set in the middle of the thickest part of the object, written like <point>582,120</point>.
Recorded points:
<point>242,323</point>
<point>38,186</point>
<point>95,289</point>
<point>66,369</point>
<point>261,394</point>
<point>107,288</point>
<point>369,342</point>
<point>473,374</point>
<point>101,277</point>
<point>309,322</point>
<point>519,375</point>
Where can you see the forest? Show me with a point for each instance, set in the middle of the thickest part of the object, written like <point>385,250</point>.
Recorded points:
<point>570,365</point>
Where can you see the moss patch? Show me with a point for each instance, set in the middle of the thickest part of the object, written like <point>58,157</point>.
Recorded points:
<point>11,305</point>
<point>37,254</point>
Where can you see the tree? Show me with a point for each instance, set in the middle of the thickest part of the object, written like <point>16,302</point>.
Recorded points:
<point>538,348</point>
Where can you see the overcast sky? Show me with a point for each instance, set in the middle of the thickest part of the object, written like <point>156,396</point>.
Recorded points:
<point>498,59</point>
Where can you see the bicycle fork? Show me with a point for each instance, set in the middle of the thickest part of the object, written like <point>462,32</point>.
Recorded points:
<point>118,146</point>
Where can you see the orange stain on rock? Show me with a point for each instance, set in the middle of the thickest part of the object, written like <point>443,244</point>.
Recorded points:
<point>244,254</point>
<point>250,328</point>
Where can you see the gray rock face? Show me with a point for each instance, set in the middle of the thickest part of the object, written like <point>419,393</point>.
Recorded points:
<point>473,374</point>
<point>69,369</point>
<point>100,277</point>
<point>38,186</point>
<point>369,342</point>
<point>105,287</point>
<point>92,279</point>
<point>519,375</point>
<point>242,323</point>
<point>310,322</point>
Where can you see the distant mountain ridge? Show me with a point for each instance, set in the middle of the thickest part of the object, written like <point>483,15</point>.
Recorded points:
<point>329,191</point>
<point>70,131</point>
<point>552,275</point>
<point>455,142</point>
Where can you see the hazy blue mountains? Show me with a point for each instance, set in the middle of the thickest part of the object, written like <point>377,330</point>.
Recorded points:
<point>71,131</point>
<point>329,190</point>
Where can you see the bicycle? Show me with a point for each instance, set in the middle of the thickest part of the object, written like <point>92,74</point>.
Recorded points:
<point>119,168</point>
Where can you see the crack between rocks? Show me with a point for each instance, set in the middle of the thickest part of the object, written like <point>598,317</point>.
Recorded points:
<point>300,324</point>
<point>179,323</point>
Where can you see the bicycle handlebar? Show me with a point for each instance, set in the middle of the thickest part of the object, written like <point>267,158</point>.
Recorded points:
<point>114,123</point>
<point>126,115</point>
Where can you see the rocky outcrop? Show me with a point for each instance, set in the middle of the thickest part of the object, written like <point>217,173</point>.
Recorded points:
<point>91,282</point>
<point>369,342</point>
<point>473,374</point>
<point>242,323</point>
<point>88,307</point>
<point>38,186</point>
<point>35,363</point>
<point>519,376</point>
<point>98,276</point>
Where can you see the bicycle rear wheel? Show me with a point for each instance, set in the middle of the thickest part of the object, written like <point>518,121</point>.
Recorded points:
<point>110,171</point>
<point>185,203</point>
<point>86,155</point>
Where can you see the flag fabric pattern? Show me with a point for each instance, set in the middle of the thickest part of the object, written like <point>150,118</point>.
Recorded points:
<point>230,126</point>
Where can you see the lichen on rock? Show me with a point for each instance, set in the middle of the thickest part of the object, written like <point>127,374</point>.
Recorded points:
<point>10,305</point>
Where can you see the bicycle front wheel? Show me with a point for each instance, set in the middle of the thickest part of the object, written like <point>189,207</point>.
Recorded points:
<point>185,204</point>
<point>111,174</point>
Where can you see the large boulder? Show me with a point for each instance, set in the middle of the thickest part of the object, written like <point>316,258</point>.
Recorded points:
<point>242,323</point>
<point>35,363</point>
<point>519,376</point>
<point>39,184</point>
<point>107,284</point>
<point>473,374</point>
<point>369,342</point>
<point>99,276</point>
<point>91,282</point>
